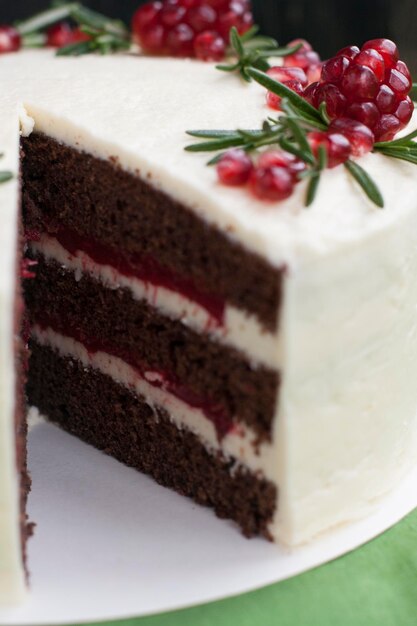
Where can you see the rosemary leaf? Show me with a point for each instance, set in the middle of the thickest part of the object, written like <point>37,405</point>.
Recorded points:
<point>46,18</point>
<point>5,177</point>
<point>322,159</point>
<point>399,154</point>
<point>75,49</point>
<point>397,142</point>
<point>228,68</point>
<point>213,134</point>
<point>286,52</point>
<point>213,146</point>
<point>299,153</point>
<point>281,90</point>
<point>312,188</point>
<point>216,159</point>
<point>250,34</point>
<point>366,182</point>
<point>301,139</point>
<point>236,42</point>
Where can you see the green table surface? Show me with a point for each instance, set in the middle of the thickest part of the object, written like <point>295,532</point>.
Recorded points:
<point>376,585</point>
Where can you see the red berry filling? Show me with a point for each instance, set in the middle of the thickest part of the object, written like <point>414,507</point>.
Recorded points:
<point>190,28</point>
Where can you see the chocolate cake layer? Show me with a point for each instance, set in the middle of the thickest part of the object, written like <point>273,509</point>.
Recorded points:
<point>196,366</point>
<point>93,407</point>
<point>97,199</point>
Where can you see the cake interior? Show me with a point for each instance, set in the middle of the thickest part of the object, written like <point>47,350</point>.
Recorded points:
<point>133,309</point>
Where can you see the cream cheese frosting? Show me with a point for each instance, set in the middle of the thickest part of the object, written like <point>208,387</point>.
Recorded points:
<point>345,430</point>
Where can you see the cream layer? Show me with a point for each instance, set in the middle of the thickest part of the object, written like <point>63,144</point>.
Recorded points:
<point>239,330</point>
<point>239,444</point>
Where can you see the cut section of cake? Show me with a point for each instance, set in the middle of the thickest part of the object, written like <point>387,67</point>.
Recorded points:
<point>259,359</point>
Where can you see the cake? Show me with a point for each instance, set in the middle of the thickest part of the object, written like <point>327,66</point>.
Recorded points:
<point>259,360</point>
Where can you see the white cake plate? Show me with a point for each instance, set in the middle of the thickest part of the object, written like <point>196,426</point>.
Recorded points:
<point>111,544</point>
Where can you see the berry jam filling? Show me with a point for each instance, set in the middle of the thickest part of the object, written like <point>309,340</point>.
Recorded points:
<point>212,410</point>
<point>144,268</point>
<point>190,28</point>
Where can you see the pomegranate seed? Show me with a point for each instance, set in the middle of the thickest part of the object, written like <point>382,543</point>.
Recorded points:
<point>337,146</point>
<point>201,18</point>
<point>399,83</point>
<point>365,112</point>
<point>189,4</point>
<point>403,69</point>
<point>180,41</point>
<point>361,138</point>
<point>153,40</point>
<point>335,101</point>
<point>280,158</point>
<point>246,22</point>
<point>209,46</point>
<point>271,183</point>
<point>349,51</point>
<point>314,72</point>
<point>217,4</point>
<point>386,48</point>
<point>305,45</point>
<point>372,59</point>
<point>145,17</point>
<point>387,127</point>
<point>310,94</point>
<point>226,22</point>
<point>78,36</point>
<point>302,59</point>
<point>284,74</point>
<point>386,100</point>
<point>171,15</point>
<point>59,35</point>
<point>10,40</point>
<point>274,101</point>
<point>334,69</point>
<point>234,168</point>
<point>405,110</point>
<point>359,83</point>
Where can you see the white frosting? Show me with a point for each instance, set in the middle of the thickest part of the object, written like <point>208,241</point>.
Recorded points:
<point>11,569</point>
<point>142,120</point>
<point>238,444</point>
<point>238,330</point>
<point>345,429</point>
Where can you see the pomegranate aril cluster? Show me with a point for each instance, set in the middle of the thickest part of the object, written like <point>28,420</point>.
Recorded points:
<point>190,28</point>
<point>370,85</point>
<point>273,177</point>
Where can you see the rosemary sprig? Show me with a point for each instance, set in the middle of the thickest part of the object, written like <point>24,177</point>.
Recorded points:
<point>105,34</point>
<point>252,51</point>
<point>289,132</point>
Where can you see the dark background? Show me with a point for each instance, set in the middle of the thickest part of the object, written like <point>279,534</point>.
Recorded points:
<point>327,24</point>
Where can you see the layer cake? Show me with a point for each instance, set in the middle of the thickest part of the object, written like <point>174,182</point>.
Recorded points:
<point>258,360</point>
